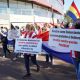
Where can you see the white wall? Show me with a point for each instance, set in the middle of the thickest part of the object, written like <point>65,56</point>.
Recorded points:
<point>27,18</point>
<point>42,19</point>
<point>20,18</point>
<point>4,21</point>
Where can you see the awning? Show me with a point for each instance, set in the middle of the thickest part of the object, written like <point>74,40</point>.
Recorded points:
<point>41,2</point>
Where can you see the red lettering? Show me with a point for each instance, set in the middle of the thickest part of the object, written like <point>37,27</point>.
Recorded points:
<point>73,42</point>
<point>64,45</point>
<point>56,40</point>
<point>21,42</point>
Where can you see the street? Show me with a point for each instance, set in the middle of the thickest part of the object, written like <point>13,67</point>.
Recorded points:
<point>15,70</point>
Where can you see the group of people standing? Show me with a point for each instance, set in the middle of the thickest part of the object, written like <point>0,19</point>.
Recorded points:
<point>30,31</point>
<point>4,32</point>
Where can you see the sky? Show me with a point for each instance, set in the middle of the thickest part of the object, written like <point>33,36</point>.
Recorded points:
<point>68,3</point>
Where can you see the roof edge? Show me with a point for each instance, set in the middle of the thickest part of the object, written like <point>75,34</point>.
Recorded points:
<point>45,4</point>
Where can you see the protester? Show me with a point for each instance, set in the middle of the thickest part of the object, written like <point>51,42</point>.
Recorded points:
<point>77,62</point>
<point>29,34</point>
<point>48,55</point>
<point>4,33</point>
<point>17,36</point>
<point>66,25</point>
<point>11,38</point>
<point>38,29</point>
<point>76,54</point>
<point>23,32</point>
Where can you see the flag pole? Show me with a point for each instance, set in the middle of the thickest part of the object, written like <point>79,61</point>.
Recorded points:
<point>73,0</point>
<point>52,14</point>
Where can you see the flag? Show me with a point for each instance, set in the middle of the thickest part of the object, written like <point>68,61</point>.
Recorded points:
<point>44,36</point>
<point>73,12</point>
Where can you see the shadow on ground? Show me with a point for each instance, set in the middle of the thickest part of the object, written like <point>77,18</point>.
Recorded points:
<point>14,70</point>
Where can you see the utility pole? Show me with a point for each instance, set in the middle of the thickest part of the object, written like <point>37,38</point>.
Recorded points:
<point>8,3</point>
<point>33,13</point>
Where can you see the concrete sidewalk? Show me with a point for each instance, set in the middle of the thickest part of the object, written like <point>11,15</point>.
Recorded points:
<point>14,70</point>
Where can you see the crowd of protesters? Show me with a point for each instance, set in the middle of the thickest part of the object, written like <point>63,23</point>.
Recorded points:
<point>30,31</point>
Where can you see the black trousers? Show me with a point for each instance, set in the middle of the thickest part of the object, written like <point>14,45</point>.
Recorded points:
<point>5,48</point>
<point>4,45</point>
<point>27,60</point>
<point>49,56</point>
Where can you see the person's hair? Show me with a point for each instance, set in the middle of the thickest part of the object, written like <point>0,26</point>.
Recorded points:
<point>1,27</point>
<point>77,25</point>
<point>17,27</point>
<point>36,26</point>
<point>56,27</point>
<point>12,27</point>
<point>46,24</point>
<point>32,27</point>
<point>67,25</point>
<point>28,26</point>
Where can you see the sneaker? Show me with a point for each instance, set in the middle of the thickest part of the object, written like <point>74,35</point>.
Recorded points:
<point>26,75</point>
<point>14,58</point>
<point>4,57</point>
<point>22,56</point>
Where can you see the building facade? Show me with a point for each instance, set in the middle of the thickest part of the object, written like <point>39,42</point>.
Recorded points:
<point>22,11</point>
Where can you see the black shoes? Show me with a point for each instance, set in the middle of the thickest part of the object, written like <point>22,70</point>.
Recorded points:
<point>26,75</point>
<point>38,68</point>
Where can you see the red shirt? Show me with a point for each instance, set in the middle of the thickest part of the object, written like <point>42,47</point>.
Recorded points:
<point>74,54</point>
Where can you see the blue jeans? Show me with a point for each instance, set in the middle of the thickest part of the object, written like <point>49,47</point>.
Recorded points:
<point>77,66</point>
<point>79,72</point>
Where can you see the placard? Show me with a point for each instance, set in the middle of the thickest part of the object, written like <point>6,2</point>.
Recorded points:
<point>65,38</point>
<point>24,45</point>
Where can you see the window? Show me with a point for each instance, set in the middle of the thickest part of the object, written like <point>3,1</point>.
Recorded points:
<point>13,4</point>
<point>40,11</point>
<point>28,5</point>
<point>21,4</point>
<point>3,4</point>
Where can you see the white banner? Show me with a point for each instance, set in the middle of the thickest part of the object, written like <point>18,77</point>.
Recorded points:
<point>32,46</point>
<point>65,38</point>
